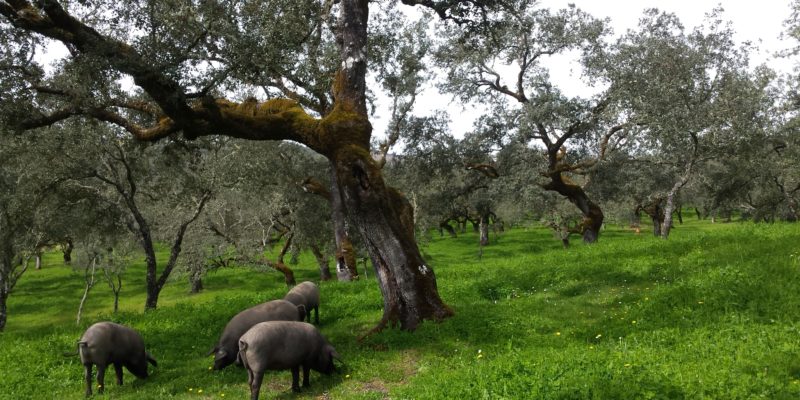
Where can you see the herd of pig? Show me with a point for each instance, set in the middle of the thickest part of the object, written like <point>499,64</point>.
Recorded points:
<point>269,336</point>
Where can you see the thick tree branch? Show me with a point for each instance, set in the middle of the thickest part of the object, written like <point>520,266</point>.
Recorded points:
<point>278,119</point>
<point>459,11</point>
<point>314,186</point>
<point>486,169</point>
<point>399,115</point>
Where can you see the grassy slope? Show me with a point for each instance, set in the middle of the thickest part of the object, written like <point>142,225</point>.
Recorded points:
<point>714,312</point>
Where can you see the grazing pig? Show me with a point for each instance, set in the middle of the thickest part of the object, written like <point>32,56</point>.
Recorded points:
<point>107,343</point>
<point>228,346</point>
<point>279,345</point>
<point>305,294</point>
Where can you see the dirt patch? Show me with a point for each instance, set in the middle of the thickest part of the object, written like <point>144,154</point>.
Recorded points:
<point>403,368</point>
<point>375,386</point>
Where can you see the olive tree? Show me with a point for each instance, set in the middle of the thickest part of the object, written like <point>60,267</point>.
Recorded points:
<point>498,62</point>
<point>691,93</point>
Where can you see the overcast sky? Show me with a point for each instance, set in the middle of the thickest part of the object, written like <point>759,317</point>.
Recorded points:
<point>760,22</point>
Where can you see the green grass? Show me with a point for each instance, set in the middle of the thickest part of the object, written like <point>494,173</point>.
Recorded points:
<point>714,312</point>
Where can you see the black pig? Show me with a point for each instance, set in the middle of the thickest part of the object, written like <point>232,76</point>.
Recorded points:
<point>107,343</point>
<point>279,345</point>
<point>307,295</point>
<point>227,347</point>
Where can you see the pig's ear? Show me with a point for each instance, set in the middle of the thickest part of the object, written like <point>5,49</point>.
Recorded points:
<point>212,351</point>
<point>334,355</point>
<point>151,360</point>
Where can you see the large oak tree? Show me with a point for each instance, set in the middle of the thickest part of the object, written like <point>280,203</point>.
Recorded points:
<point>188,59</point>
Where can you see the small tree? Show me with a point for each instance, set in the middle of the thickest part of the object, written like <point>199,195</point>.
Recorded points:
<point>87,266</point>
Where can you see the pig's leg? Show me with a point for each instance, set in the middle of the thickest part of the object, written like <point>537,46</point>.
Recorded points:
<point>305,375</point>
<point>118,370</point>
<point>296,379</point>
<point>87,374</point>
<point>255,384</point>
<point>101,376</point>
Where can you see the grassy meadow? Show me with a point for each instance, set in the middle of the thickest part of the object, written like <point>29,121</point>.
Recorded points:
<point>713,312</point>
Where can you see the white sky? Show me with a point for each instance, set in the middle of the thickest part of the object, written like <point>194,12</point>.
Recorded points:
<point>760,22</point>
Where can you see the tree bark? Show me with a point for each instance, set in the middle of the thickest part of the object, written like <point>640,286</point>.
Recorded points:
<point>656,213</point>
<point>592,214</point>
<point>636,219</point>
<point>3,307</point>
<point>66,249</point>
<point>791,203</point>
<point>288,274</point>
<point>346,268</point>
<point>666,226</point>
<point>196,280</point>
<point>88,279</point>
<point>669,207</point>
<point>484,230</point>
<point>10,273</point>
<point>38,259</point>
<point>116,289</point>
<point>407,283</point>
<point>445,226</point>
<point>322,261</point>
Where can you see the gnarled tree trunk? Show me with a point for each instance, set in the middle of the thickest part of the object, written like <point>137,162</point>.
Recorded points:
<point>196,279</point>
<point>322,261</point>
<point>669,207</point>
<point>288,274</point>
<point>66,249</point>
<point>656,212</point>
<point>445,226</point>
<point>89,281</point>
<point>592,214</point>
<point>484,230</point>
<point>346,268</point>
<point>407,282</point>
<point>3,306</point>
